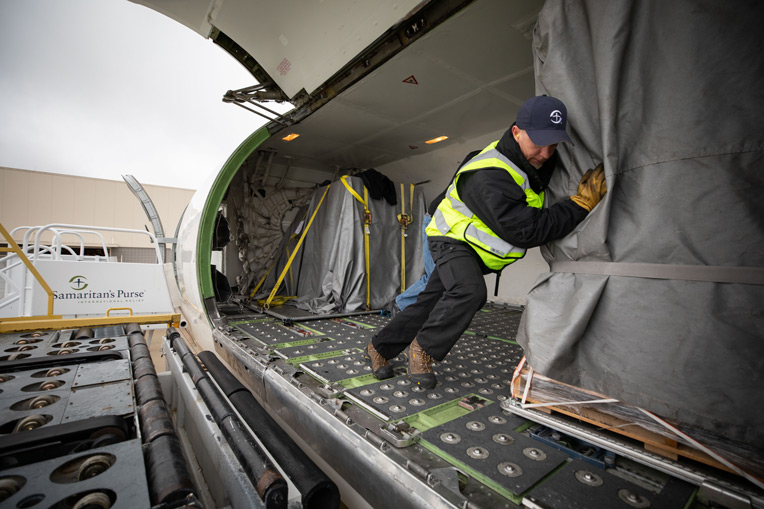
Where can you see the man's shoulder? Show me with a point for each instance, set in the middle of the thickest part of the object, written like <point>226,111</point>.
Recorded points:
<point>489,175</point>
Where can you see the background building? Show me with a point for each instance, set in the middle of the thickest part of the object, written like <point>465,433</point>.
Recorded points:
<point>33,198</point>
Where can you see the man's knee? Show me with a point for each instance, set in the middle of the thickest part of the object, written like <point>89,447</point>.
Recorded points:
<point>474,295</point>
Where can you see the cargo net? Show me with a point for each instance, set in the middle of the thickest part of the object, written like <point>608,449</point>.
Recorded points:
<point>261,211</point>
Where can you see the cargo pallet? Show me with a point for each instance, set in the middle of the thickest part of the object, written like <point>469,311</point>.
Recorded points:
<point>550,397</point>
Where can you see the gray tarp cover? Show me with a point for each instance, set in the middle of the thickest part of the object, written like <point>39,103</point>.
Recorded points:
<point>331,266</point>
<point>670,95</point>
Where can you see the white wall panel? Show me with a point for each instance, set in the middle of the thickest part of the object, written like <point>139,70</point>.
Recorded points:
<point>83,201</point>
<point>104,199</point>
<point>14,201</point>
<point>41,205</point>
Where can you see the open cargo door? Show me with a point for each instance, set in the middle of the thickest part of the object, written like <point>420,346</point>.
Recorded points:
<point>299,45</point>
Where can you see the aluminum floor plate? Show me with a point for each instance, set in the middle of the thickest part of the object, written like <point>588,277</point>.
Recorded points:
<point>289,312</point>
<point>580,486</point>
<point>268,331</point>
<point>485,442</point>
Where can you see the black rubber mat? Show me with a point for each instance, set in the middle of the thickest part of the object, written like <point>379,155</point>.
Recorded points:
<point>579,485</point>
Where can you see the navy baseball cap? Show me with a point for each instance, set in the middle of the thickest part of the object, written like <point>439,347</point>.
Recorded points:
<point>544,119</point>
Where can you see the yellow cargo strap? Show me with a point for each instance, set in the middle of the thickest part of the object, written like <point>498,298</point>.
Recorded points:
<point>291,275</point>
<point>276,301</point>
<point>275,260</point>
<point>268,302</point>
<point>405,220</point>
<point>366,232</point>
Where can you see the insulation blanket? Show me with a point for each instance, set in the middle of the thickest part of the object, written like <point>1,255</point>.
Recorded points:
<point>670,95</point>
<point>332,269</point>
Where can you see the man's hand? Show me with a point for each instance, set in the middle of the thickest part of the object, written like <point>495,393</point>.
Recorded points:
<point>591,189</point>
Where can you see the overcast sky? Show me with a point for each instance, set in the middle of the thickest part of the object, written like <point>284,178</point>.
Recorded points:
<point>106,87</point>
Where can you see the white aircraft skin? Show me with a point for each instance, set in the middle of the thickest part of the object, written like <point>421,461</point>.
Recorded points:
<point>371,84</point>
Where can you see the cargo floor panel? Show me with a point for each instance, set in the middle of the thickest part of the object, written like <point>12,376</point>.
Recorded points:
<point>273,332</point>
<point>578,485</point>
<point>319,347</point>
<point>351,365</point>
<point>372,321</point>
<point>485,442</point>
<point>497,320</point>
<point>396,398</point>
<point>289,312</point>
<point>477,364</point>
<point>343,367</point>
<point>341,328</point>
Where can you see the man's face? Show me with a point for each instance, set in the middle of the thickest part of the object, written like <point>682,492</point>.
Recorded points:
<point>535,154</point>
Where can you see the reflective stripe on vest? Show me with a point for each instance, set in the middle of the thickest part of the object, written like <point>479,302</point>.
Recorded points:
<point>455,220</point>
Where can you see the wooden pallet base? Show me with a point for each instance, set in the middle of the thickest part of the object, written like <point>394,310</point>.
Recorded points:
<point>618,418</point>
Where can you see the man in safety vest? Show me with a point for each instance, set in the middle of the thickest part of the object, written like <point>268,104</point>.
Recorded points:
<point>492,212</point>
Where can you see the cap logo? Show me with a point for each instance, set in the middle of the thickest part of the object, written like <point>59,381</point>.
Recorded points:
<point>556,116</point>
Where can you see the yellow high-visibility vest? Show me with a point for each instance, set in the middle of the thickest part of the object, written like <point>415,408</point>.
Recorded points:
<point>455,220</point>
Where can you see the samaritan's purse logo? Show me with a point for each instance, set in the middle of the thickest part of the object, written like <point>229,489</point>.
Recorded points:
<point>78,282</point>
<point>556,116</point>
<point>96,295</point>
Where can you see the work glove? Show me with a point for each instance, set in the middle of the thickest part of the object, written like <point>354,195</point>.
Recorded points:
<point>591,189</point>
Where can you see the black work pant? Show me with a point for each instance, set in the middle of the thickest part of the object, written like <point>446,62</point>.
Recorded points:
<point>443,310</point>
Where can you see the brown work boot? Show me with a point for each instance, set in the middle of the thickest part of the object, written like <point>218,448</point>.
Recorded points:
<point>420,367</point>
<point>379,365</point>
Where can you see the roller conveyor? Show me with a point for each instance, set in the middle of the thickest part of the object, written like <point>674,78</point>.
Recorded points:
<point>77,430</point>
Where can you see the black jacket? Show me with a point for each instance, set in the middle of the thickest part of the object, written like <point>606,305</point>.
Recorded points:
<point>499,202</point>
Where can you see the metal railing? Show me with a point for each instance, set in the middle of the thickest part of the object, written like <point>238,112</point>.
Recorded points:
<point>16,251</point>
